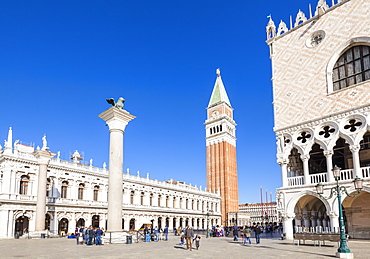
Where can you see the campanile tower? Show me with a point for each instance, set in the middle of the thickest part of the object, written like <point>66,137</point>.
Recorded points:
<point>222,173</point>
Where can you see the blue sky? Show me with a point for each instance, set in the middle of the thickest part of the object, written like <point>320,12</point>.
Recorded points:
<point>60,60</point>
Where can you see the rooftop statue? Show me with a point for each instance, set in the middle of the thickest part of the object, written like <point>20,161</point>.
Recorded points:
<point>118,104</point>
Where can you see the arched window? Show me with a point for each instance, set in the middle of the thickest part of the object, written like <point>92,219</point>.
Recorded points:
<point>142,199</point>
<point>180,203</point>
<point>159,200</point>
<point>174,202</point>
<point>167,199</point>
<point>24,185</point>
<point>64,190</point>
<point>186,204</point>
<point>352,67</point>
<point>81,188</point>
<point>132,197</point>
<point>151,199</point>
<point>96,192</point>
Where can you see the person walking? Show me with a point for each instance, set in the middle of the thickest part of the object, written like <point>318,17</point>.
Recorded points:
<point>189,234</point>
<point>197,241</point>
<point>235,233</point>
<point>165,231</point>
<point>257,231</point>
<point>247,235</point>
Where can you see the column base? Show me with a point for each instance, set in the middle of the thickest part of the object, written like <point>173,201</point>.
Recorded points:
<point>344,255</point>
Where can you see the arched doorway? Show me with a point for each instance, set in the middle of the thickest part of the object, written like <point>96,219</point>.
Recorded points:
<point>186,222</point>
<point>203,224</point>
<point>159,222</point>
<point>132,224</point>
<point>63,227</point>
<point>47,221</point>
<point>181,223</point>
<point>95,221</point>
<point>310,213</point>
<point>357,215</point>
<point>123,224</point>
<point>167,222</point>
<point>21,225</point>
<point>80,223</point>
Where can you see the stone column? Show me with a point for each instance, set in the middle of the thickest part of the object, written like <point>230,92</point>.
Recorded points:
<point>356,160</point>
<point>334,221</point>
<point>329,165</point>
<point>284,172</point>
<point>288,225</point>
<point>306,169</point>
<point>43,158</point>
<point>116,119</point>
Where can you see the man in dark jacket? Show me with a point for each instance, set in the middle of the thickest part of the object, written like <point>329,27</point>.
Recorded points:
<point>165,231</point>
<point>257,231</point>
<point>189,233</point>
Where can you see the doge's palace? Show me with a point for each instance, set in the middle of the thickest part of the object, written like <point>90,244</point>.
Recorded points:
<point>321,88</point>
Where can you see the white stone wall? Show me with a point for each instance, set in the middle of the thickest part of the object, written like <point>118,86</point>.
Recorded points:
<point>14,205</point>
<point>301,88</point>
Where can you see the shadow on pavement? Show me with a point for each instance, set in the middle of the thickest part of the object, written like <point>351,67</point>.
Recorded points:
<point>179,247</point>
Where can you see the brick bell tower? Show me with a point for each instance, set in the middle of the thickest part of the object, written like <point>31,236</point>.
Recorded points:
<point>222,176</point>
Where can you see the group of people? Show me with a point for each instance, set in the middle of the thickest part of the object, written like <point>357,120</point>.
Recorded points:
<point>154,234</point>
<point>187,236</point>
<point>89,235</point>
<point>246,233</point>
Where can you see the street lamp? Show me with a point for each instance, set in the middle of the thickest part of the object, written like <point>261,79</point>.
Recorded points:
<point>337,190</point>
<point>207,214</point>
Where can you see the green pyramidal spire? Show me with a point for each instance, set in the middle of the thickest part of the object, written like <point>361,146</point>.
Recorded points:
<point>219,92</point>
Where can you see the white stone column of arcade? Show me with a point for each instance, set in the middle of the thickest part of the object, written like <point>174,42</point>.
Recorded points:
<point>306,170</point>
<point>43,158</point>
<point>356,159</point>
<point>116,119</point>
<point>329,165</point>
<point>288,225</point>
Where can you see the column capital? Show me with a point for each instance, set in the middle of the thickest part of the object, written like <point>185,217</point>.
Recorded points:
<point>43,156</point>
<point>354,148</point>
<point>305,157</point>
<point>328,153</point>
<point>116,118</point>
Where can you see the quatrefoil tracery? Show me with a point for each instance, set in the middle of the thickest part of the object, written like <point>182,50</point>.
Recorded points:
<point>327,131</point>
<point>353,125</point>
<point>304,137</point>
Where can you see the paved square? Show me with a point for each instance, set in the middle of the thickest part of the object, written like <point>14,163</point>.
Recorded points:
<point>221,247</point>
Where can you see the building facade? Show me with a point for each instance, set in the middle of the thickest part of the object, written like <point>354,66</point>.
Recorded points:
<point>261,213</point>
<point>77,196</point>
<point>222,175</point>
<point>321,89</point>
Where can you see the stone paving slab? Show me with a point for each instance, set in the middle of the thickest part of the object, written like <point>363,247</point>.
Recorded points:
<point>219,247</point>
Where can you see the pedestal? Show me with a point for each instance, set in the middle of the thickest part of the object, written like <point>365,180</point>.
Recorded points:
<point>116,119</point>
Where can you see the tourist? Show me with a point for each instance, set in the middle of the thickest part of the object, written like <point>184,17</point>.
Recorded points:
<point>235,233</point>
<point>103,234</point>
<point>189,234</point>
<point>86,235</point>
<point>247,235</point>
<point>90,236</point>
<point>197,241</point>
<point>257,231</point>
<point>98,233</point>
<point>165,231</point>
<point>156,232</point>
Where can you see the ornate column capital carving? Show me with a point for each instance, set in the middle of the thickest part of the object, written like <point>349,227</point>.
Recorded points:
<point>354,148</point>
<point>305,157</point>
<point>328,153</point>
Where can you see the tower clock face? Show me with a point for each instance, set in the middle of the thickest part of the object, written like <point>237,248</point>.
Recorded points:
<point>214,113</point>
<point>315,39</point>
